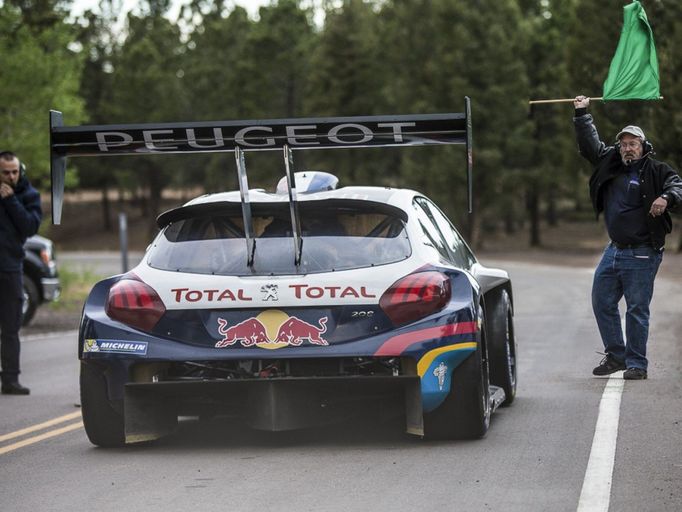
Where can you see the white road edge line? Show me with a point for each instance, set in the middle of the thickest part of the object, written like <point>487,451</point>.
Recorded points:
<point>48,335</point>
<point>595,495</point>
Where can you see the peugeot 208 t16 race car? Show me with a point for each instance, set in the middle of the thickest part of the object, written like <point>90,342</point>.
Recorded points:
<point>296,308</point>
<point>387,304</point>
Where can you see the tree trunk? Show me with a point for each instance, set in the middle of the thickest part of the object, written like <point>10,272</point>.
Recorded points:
<point>510,219</point>
<point>552,216</point>
<point>532,204</point>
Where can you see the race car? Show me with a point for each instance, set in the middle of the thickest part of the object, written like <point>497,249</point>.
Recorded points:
<point>298,307</point>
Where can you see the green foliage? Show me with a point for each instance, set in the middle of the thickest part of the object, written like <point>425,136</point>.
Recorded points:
<point>665,130</point>
<point>368,57</point>
<point>98,40</point>
<point>235,68</point>
<point>280,47</point>
<point>215,67</point>
<point>551,138</point>
<point>438,52</point>
<point>75,287</point>
<point>38,72</point>
<point>347,71</point>
<point>347,81</point>
<point>147,85</point>
<point>147,78</point>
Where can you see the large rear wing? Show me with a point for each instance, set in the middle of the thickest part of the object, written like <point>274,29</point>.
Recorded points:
<point>287,135</point>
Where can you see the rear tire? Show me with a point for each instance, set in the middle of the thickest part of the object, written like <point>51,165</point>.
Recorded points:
<point>502,346</point>
<point>465,413</point>
<point>103,424</point>
<point>31,300</point>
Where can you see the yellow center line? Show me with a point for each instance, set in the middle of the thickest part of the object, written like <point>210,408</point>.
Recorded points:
<point>41,437</point>
<point>40,426</point>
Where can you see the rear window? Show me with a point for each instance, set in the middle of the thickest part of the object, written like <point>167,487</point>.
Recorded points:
<point>333,239</point>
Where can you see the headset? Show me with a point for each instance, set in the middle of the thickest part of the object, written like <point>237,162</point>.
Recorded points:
<point>22,168</point>
<point>647,147</point>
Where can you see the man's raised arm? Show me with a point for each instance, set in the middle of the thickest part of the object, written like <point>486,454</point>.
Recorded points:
<point>590,145</point>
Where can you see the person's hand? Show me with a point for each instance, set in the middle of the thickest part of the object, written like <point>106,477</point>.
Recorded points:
<point>581,102</point>
<point>658,207</point>
<point>6,190</point>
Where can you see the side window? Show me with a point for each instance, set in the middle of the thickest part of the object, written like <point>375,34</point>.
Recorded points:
<point>454,241</point>
<point>431,236</point>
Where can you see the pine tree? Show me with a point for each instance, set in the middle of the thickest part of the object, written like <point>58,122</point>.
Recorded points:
<point>347,81</point>
<point>546,177</point>
<point>441,51</point>
<point>38,72</point>
<point>147,86</point>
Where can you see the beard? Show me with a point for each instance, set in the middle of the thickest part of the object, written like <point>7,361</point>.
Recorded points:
<point>629,157</point>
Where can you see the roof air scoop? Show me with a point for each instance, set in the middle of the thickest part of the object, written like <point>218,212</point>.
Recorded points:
<point>308,182</point>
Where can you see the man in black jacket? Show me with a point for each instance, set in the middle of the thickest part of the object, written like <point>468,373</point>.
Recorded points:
<point>634,192</point>
<point>20,216</point>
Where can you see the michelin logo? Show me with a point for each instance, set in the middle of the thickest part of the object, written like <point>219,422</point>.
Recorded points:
<point>119,347</point>
<point>440,372</point>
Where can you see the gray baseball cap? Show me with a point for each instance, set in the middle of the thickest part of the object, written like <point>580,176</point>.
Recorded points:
<point>632,130</point>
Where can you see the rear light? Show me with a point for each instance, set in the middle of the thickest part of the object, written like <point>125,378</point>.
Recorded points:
<point>135,303</point>
<point>416,296</point>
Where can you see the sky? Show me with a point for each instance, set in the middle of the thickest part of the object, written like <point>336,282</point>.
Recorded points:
<point>79,6</point>
<point>251,6</point>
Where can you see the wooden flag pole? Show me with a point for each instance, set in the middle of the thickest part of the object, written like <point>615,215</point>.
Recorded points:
<point>561,100</point>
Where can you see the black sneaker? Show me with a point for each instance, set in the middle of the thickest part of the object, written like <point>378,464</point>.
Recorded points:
<point>608,365</point>
<point>634,374</point>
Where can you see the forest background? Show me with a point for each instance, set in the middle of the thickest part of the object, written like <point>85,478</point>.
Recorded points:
<point>214,62</point>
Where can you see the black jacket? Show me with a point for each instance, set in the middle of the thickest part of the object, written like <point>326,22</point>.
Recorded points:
<point>655,178</point>
<point>20,216</point>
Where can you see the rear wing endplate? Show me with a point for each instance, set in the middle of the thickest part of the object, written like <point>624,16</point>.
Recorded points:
<point>287,135</point>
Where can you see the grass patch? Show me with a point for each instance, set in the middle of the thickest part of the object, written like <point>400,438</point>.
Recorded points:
<point>76,286</point>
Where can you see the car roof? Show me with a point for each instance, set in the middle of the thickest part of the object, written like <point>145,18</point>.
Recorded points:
<point>386,199</point>
<point>376,194</point>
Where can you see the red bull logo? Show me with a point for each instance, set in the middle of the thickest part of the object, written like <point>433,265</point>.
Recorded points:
<point>272,329</point>
<point>294,331</point>
<point>249,332</point>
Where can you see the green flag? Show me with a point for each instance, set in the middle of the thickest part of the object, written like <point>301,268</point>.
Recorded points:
<point>633,74</point>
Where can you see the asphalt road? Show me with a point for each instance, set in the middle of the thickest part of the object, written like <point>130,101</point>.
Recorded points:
<point>534,458</point>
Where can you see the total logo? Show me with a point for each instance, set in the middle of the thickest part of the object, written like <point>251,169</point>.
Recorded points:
<point>272,329</point>
<point>270,293</point>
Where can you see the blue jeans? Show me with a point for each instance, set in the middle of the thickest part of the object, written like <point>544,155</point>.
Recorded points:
<point>628,273</point>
